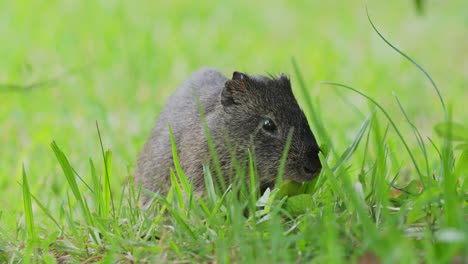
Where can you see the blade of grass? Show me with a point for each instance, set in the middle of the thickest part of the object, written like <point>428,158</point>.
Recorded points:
<point>405,144</point>
<point>379,185</point>
<point>69,175</point>
<point>346,154</point>
<point>28,214</point>
<point>364,158</point>
<point>221,200</point>
<point>178,191</point>
<point>204,208</point>
<point>351,198</point>
<point>107,196</point>
<point>434,85</point>
<point>107,157</point>
<point>187,188</point>
<point>354,145</point>
<point>81,179</point>
<point>97,191</point>
<point>317,122</point>
<point>253,183</point>
<point>418,136</point>
<point>211,146</point>
<point>449,183</point>
<point>176,216</point>
<point>284,157</point>
<point>47,212</point>
<point>209,185</point>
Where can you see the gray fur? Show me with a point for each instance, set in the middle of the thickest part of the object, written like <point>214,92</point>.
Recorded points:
<point>234,110</point>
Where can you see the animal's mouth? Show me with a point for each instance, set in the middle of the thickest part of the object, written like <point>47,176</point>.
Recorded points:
<point>265,185</point>
<point>271,183</point>
<point>311,176</point>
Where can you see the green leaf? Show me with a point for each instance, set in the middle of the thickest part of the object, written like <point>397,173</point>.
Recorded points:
<point>299,204</point>
<point>452,131</point>
<point>290,188</point>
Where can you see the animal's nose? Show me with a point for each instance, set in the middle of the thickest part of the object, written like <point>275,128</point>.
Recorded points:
<point>312,164</point>
<point>310,170</point>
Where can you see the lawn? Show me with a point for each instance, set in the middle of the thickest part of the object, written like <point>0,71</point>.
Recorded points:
<point>393,186</point>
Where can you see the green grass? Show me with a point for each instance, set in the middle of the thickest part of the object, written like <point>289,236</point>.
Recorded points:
<point>393,185</point>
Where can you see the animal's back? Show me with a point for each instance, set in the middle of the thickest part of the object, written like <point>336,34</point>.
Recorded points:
<point>182,114</point>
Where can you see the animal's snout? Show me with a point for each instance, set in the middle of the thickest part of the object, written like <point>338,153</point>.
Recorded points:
<point>311,166</point>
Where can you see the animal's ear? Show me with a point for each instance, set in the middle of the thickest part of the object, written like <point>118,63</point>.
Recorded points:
<point>239,76</point>
<point>235,89</point>
<point>284,79</point>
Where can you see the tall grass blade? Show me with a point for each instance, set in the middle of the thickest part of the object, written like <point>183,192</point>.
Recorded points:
<point>107,191</point>
<point>405,144</point>
<point>252,182</point>
<point>418,136</point>
<point>178,191</point>
<point>211,146</point>
<point>47,212</point>
<point>209,185</point>
<point>449,183</point>
<point>319,130</point>
<point>351,198</point>
<point>107,197</point>
<point>176,216</point>
<point>412,61</point>
<point>284,157</point>
<point>187,188</point>
<point>28,213</point>
<point>348,153</point>
<point>69,175</point>
<point>97,191</point>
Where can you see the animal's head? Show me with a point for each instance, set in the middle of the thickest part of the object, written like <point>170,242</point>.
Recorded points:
<point>263,110</point>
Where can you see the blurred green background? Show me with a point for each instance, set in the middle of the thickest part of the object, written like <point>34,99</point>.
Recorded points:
<point>116,62</point>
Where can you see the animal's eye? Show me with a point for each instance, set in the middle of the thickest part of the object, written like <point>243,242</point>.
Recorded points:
<point>269,125</point>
